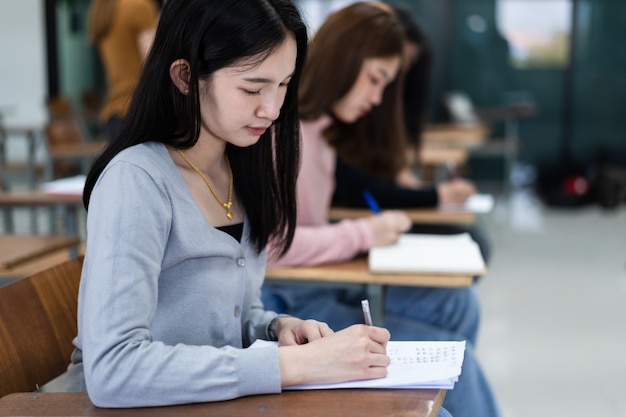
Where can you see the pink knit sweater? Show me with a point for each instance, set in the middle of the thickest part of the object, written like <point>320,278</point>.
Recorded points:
<point>316,240</point>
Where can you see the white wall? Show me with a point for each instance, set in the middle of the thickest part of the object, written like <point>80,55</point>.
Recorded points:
<point>23,71</point>
<point>315,12</point>
<point>23,79</point>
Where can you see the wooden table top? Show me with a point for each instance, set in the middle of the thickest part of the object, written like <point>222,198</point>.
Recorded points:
<point>442,155</point>
<point>77,150</point>
<point>356,271</point>
<point>18,249</point>
<point>341,402</point>
<point>417,215</point>
<point>20,129</point>
<point>455,134</point>
<point>38,198</point>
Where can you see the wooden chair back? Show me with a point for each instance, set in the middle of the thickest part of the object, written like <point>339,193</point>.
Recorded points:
<point>37,325</point>
<point>60,107</point>
<point>65,125</point>
<point>70,145</point>
<point>60,132</point>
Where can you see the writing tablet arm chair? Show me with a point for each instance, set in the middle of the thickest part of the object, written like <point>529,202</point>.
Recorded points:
<point>37,326</point>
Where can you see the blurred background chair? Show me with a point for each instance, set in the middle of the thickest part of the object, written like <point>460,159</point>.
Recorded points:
<point>70,146</point>
<point>515,106</point>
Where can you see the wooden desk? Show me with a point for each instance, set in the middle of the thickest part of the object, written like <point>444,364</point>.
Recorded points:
<point>71,204</point>
<point>357,271</point>
<point>19,249</point>
<point>81,152</point>
<point>435,156</point>
<point>87,150</point>
<point>31,134</point>
<point>455,135</point>
<point>315,403</point>
<point>422,216</point>
<point>38,198</point>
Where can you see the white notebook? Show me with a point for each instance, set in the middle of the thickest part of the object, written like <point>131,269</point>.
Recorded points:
<point>456,253</point>
<point>476,203</point>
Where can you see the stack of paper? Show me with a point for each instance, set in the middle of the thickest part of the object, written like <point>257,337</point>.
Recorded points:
<point>66,186</point>
<point>413,365</point>
<point>476,203</point>
<point>428,254</point>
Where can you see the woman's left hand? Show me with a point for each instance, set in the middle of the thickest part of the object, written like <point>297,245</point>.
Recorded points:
<point>294,331</point>
<point>407,179</point>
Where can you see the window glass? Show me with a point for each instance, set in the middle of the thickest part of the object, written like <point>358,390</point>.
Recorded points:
<point>315,11</point>
<point>538,31</point>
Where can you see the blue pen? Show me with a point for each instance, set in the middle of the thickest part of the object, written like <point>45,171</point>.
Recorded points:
<point>371,202</point>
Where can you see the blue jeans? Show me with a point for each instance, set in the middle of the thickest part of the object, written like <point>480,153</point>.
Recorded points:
<point>443,413</point>
<point>411,313</point>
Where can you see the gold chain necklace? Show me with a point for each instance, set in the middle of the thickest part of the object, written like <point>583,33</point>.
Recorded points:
<point>226,205</point>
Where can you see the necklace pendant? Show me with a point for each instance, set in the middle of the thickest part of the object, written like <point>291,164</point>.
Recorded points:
<point>228,205</point>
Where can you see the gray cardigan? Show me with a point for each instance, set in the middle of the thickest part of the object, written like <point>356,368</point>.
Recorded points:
<point>167,304</point>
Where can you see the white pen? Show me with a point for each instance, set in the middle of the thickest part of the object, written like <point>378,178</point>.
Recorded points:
<point>365,305</point>
<point>452,170</point>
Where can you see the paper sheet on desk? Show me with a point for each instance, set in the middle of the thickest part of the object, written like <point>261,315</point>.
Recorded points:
<point>413,365</point>
<point>476,203</point>
<point>424,253</point>
<point>66,186</point>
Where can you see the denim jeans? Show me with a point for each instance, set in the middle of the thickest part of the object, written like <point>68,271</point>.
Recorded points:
<point>443,413</point>
<point>411,313</point>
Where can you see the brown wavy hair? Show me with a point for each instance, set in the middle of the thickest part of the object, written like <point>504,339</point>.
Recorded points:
<point>345,40</point>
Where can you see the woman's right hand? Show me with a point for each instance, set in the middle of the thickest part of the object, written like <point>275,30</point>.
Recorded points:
<point>357,352</point>
<point>455,191</point>
<point>388,226</point>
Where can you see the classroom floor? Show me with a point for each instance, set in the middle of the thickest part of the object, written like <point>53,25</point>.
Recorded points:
<point>553,335</point>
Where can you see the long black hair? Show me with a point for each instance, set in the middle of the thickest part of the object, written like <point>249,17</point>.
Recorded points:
<point>348,37</point>
<point>210,35</point>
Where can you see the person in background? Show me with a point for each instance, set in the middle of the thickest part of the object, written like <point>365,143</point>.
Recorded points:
<point>181,205</point>
<point>123,31</point>
<point>354,56</point>
<point>370,156</point>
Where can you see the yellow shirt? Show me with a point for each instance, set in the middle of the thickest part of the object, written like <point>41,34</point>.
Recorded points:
<point>120,54</point>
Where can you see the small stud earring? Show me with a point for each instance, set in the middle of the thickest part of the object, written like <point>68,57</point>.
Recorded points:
<point>186,91</point>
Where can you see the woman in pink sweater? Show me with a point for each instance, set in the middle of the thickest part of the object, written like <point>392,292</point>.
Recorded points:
<point>354,57</point>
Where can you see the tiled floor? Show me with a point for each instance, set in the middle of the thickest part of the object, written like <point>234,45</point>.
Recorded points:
<point>553,338</point>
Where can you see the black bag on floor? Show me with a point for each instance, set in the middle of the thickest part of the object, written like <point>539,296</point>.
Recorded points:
<point>610,184</point>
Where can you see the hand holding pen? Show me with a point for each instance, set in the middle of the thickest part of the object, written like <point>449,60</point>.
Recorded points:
<point>371,202</point>
<point>356,352</point>
<point>388,225</point>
